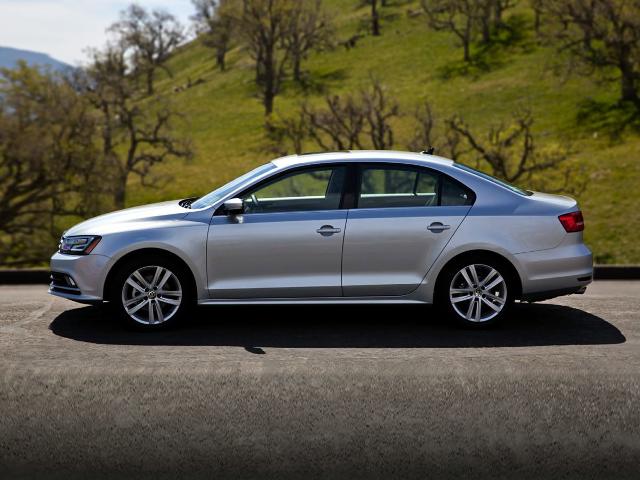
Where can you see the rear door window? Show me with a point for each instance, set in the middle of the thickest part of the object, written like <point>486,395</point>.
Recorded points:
<point>390,186</point>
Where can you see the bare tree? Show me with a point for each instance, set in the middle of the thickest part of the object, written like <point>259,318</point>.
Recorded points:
<point>205,11</point>
<point>379,109</point>
<point>424,133</point>
<point>348,122</point>
<point>431,134</point>
<point>150,37</point>
<point>375,14</point>
<point>467,19</point>
<point>485,17</point>
<point>136,136</point>
<point>603,35</point>
<point>308,29</point>
<point>287,131</point>
<point>538,9</point>
<point>490,16</point>
<point>337,127</point>
<point>264,24</point>
<point>48,162</point>
<point>510,152</point>
<point>216,20</point>
<point>456,16</point>
<point>499,7</point>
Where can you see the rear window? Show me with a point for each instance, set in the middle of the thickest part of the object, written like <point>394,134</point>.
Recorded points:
<point>495,180</point>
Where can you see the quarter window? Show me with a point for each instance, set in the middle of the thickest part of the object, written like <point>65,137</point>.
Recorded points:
<point>307,190</point>
<point>454,194</point>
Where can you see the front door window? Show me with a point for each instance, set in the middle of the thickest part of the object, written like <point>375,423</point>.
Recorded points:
<point>306,190</point>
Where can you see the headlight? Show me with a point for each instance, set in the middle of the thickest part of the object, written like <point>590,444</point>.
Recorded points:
<point>80,245</point>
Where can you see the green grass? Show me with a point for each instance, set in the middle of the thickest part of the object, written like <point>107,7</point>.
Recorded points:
<point>224,117</point>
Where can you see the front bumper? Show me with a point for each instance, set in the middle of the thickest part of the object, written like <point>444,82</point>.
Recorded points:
<point>87,273</point>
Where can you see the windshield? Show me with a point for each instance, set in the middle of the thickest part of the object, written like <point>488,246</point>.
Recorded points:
<point>502,183</point>
<point>213,197</point>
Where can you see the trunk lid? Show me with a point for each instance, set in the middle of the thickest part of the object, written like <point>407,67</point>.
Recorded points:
<point>563,203</point>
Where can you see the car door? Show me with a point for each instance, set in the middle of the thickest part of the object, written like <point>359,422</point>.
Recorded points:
<point>288,241</point>
<point>403,219</point>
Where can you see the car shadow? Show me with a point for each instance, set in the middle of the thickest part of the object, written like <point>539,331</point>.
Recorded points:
<point>346,326</point>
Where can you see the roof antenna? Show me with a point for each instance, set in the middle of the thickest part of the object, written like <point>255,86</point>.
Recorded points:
<point>429,151</point>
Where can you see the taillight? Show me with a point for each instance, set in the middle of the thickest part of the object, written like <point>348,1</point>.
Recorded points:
<point>572,222</point>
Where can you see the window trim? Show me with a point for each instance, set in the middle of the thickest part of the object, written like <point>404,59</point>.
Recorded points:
<point>353,182</point>
<point>361,166</point>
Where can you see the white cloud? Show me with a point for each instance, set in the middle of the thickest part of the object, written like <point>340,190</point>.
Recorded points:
<point>65,28</point>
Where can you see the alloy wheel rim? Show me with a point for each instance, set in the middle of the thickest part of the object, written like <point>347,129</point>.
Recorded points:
<point>151,295</point>
<point>478,293</point>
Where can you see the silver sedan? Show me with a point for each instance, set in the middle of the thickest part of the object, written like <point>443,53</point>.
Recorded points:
<point>344,227</point>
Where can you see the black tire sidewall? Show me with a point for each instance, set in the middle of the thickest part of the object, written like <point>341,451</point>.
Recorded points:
<point>132,265</point>
<point>442,294</point>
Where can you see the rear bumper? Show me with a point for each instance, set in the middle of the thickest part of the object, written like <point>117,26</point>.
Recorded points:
<point>86,273</point>
<point>539,296</point>
<point>558,271</point>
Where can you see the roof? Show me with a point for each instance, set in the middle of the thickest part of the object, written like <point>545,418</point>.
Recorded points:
<point>360,155</point>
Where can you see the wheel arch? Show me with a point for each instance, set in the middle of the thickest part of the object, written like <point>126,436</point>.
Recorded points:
<point>110,291</point>
<point>485,254</point>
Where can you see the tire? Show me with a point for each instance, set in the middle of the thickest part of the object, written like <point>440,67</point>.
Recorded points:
<point>476,291</point>
<point>151,292</point>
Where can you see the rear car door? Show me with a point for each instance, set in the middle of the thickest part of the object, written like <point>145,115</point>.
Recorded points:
<point>403,219</point>
<point>288,241</point>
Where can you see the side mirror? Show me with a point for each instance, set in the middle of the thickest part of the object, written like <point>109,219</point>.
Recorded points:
<point>233,206</point>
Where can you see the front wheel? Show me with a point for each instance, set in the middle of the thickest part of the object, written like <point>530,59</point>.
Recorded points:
<point>476,294</point>
<point>151,294</point>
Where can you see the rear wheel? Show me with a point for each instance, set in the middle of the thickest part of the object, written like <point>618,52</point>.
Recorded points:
<point>476,293</point>
<point>151,294</point>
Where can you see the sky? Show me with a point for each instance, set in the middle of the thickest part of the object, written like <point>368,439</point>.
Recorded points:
<point>65,28</point>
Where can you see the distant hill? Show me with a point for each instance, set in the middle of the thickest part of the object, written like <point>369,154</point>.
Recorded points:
<point>9,57</point>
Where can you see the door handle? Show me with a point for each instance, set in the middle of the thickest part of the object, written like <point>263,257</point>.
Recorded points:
<point>438,227</point>
<point>327,230</point>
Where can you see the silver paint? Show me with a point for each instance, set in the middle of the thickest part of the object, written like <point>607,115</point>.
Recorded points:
<point>385,255</point>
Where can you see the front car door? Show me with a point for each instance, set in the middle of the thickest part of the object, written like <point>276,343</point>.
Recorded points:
<point>288,241</point>
<point>403,219</point>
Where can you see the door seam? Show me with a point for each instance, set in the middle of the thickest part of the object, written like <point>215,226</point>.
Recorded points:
<point>344,236</point>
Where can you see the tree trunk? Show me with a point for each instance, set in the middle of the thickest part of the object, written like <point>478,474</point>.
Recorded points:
<point>497,17</point>
<point>628,86</point>
<point>297,76</point>
<point>220,60</point>
<point>486,30</point>
<point>467,52</point>
<point>150,82</point>
<point>120,192</point>
<point>485,20</point>
<point>375,19</point>
<point>269,85</point>
<point>465,37</point>
<point>268,102</point>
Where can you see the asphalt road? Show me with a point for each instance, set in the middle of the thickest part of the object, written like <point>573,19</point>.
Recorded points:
<point>322,392</point>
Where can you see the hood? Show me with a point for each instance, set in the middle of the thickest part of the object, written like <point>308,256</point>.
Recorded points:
<point>164,211</point>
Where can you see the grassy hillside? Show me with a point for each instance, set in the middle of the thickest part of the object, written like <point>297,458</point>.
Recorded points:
<point>225,118</point>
